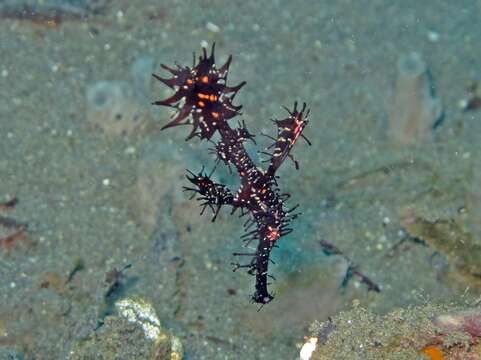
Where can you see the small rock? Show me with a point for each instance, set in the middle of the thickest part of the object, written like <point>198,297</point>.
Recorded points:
<point>212,27</point>
<point>113,109</point>
<point>136,333</point>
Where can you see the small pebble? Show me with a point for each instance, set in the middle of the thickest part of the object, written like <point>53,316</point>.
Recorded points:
<point>308,348</point>
<point>463,104</point>
<point>433,36</point>
<point>130,150</point>
<point>212,27</point>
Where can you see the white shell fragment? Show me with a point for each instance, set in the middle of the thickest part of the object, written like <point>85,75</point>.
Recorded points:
<point>140,312</point>
<point>308,348</point>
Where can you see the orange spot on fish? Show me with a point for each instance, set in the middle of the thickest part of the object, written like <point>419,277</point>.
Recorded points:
<point>274,234</point>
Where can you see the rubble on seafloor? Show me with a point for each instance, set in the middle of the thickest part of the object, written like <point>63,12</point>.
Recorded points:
<point>436,332</point>
<point>119,108</point>
<point>134,333</point>
<point>415,110</point>
<point>451,238</point>
<point>151,193</point>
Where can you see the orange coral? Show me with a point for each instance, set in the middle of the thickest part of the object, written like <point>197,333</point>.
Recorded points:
<point>433,352</point>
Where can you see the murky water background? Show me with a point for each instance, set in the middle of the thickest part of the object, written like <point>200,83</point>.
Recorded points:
<point>99,186</point>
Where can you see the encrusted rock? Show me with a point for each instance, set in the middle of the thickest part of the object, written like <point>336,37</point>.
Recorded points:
<point>135,333</point>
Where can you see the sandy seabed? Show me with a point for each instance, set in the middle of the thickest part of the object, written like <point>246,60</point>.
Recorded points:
<point>78,187</point>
